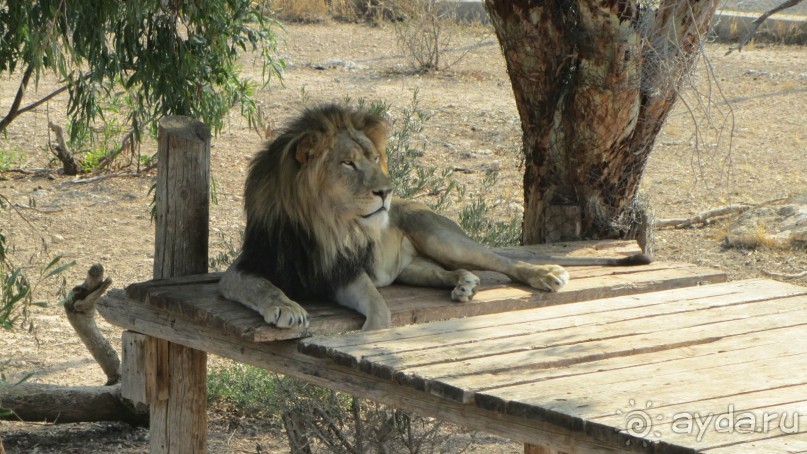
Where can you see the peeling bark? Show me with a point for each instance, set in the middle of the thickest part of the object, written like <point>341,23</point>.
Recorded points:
<point>593,82</point>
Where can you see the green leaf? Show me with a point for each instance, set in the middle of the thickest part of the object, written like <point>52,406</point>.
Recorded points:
<point>60,269</point>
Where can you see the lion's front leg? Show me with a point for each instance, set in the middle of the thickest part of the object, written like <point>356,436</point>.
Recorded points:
<point>425,273</point>
<point>260,295</point>
<point>362,296</point>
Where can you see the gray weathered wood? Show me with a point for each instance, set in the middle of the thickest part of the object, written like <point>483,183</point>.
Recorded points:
<point>732,348</point>
<point>134,368</point>
<point>40,402</point>
<point>182,198</point>
<point>178,399</point>
<point>196,297</point>
<point>283,357</point>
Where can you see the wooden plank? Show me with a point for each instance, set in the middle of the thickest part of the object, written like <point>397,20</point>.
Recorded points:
<point>461,379</point>
<point>749,344</point>
<point>783,444</point>
<point>196,296</point>
<point>569,409</point>
<point>428,305</point>
<point>133,367</point>
<point>139,290</point>
<point>698,378</point>
<point>726,420</point>
<point>591,248</point>
<point>518,335</point>
<point>604,356</point>
<point>715,330</point>
<point>471,331</point>
<point>283,357</point>
<point>198,299</point>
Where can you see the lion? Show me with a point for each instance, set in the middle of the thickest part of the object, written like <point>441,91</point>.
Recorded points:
<point>321,222</point>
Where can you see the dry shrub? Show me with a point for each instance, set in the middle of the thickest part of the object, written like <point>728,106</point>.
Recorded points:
<point>356,10</point>
<point>300,10</point>
<point>425,30</point>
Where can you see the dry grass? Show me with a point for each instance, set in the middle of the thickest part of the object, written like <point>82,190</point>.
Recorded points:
<point>305,11</point>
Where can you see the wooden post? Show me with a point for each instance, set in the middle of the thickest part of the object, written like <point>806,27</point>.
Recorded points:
<point>177,393</point>
<point>536,449</point>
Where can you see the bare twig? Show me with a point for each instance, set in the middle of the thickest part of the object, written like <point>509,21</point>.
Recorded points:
<point>701,218</point>
<point>785,275</point>
<point>34,208</point>
<point>128,140</point>
<point>104,177</point>
<point>758,21</point>
<point>39,171</point>
<point>50,96</point>
<point>706,216</point>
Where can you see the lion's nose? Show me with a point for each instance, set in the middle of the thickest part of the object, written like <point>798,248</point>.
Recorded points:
<point>383,193</point>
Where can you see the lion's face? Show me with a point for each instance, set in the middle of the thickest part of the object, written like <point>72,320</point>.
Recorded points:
<point>354,172</point>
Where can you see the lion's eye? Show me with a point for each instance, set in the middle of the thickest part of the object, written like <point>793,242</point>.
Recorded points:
<point>350,164</point>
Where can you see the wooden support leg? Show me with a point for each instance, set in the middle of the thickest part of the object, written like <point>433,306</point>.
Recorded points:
<point>179,422</point>
<point>172,380</point>
<point>535,449</point>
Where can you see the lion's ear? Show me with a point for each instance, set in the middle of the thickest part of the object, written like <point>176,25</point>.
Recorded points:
<point>376,131</point>
<point>308,147</point>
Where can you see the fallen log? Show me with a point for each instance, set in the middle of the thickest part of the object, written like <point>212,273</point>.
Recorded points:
<point>39,402</point>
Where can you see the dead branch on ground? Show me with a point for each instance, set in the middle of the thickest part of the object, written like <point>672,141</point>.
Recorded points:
<point>758,21</point>
<point>62,152</point>
<point>702,218</point>
<point>785,275</point>
<point>111,175</point>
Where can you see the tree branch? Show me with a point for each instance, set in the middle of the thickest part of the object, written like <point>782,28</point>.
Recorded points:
<point>758,21</point>
<point>128,140</point>
<point>13,111</point>
<point>80,309</point>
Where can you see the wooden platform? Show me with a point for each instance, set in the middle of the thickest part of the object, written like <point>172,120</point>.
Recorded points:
<point>574,372</point>
<point>717,368</point>
<point>196,298</point>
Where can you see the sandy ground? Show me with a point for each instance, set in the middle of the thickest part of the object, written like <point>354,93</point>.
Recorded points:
<point>761,100</point>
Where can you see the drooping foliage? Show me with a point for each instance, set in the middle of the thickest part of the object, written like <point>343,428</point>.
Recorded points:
<point>169,57</point>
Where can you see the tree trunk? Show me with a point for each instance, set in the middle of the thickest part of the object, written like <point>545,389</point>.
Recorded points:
<point>593,83</point>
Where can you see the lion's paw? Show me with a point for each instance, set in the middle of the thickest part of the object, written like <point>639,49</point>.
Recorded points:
<point>466,287</point>
<point>287,315</point>
<point>549,278</point>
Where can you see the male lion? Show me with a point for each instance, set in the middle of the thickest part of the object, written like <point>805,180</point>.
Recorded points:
<point>322,223</point>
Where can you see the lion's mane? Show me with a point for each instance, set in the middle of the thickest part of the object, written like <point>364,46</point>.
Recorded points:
<point>292,238</point>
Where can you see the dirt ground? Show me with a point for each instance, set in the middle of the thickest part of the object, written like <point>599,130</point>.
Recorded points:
<point>474,126</point>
